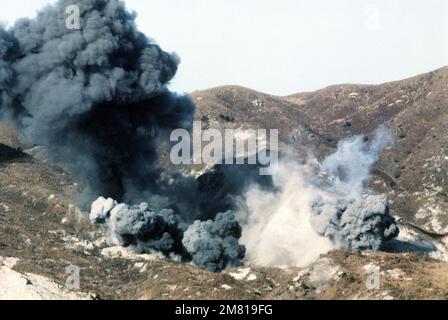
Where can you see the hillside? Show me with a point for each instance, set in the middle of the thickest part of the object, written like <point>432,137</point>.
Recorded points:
<point>414,172</point>
<point>42,231</point>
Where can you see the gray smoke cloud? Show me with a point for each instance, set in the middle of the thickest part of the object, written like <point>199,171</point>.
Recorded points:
<point>138,226</point>
<point>318,206</point>
<point>350,166</point>
<point>212,245</point>
<point>362,224</point>
<point>96,97</point>
<point>6,73</point>
<point>353,221</point>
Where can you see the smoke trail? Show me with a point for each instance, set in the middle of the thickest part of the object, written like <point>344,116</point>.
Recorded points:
<point>319,207</point>
<point>96,97</point>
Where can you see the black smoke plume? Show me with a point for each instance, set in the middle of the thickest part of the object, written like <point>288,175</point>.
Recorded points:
<point>139,226</point>
<point>212,244</point>
<point>96,97</point>
<point>362,224</point>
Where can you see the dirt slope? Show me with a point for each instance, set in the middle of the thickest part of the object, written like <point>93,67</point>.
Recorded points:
<point>40,226</point>
<point>414,172</point>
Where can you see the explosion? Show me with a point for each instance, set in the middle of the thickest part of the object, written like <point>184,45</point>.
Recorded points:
<point>318,207</point>
<point>363,224</point>
<point>97,98</point>
<point>146,230</point>
<point>212,245</point>
<point>306,210</point>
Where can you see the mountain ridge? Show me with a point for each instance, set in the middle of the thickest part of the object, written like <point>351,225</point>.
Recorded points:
<point>415,110</point>
<point>42,229</point>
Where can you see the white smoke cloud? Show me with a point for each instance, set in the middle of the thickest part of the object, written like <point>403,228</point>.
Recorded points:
<point>318,207</point>
<point>351,164</point>
<point>278,230</point>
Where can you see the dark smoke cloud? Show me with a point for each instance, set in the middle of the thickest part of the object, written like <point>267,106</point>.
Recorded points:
<point>96,97</point>
<point>362,224</point>
<point>139,226</point>
<point>222,185</point>
<point>6,73</point>
<point>212,245</point>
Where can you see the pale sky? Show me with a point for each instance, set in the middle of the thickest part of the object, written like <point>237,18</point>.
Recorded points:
<point>288,46</point>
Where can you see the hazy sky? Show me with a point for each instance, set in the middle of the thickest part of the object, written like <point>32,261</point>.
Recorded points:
<point>287,46</point>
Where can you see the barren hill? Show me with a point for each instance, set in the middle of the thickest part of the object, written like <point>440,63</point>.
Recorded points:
<point>414,171</point>
<point>42,232</point>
